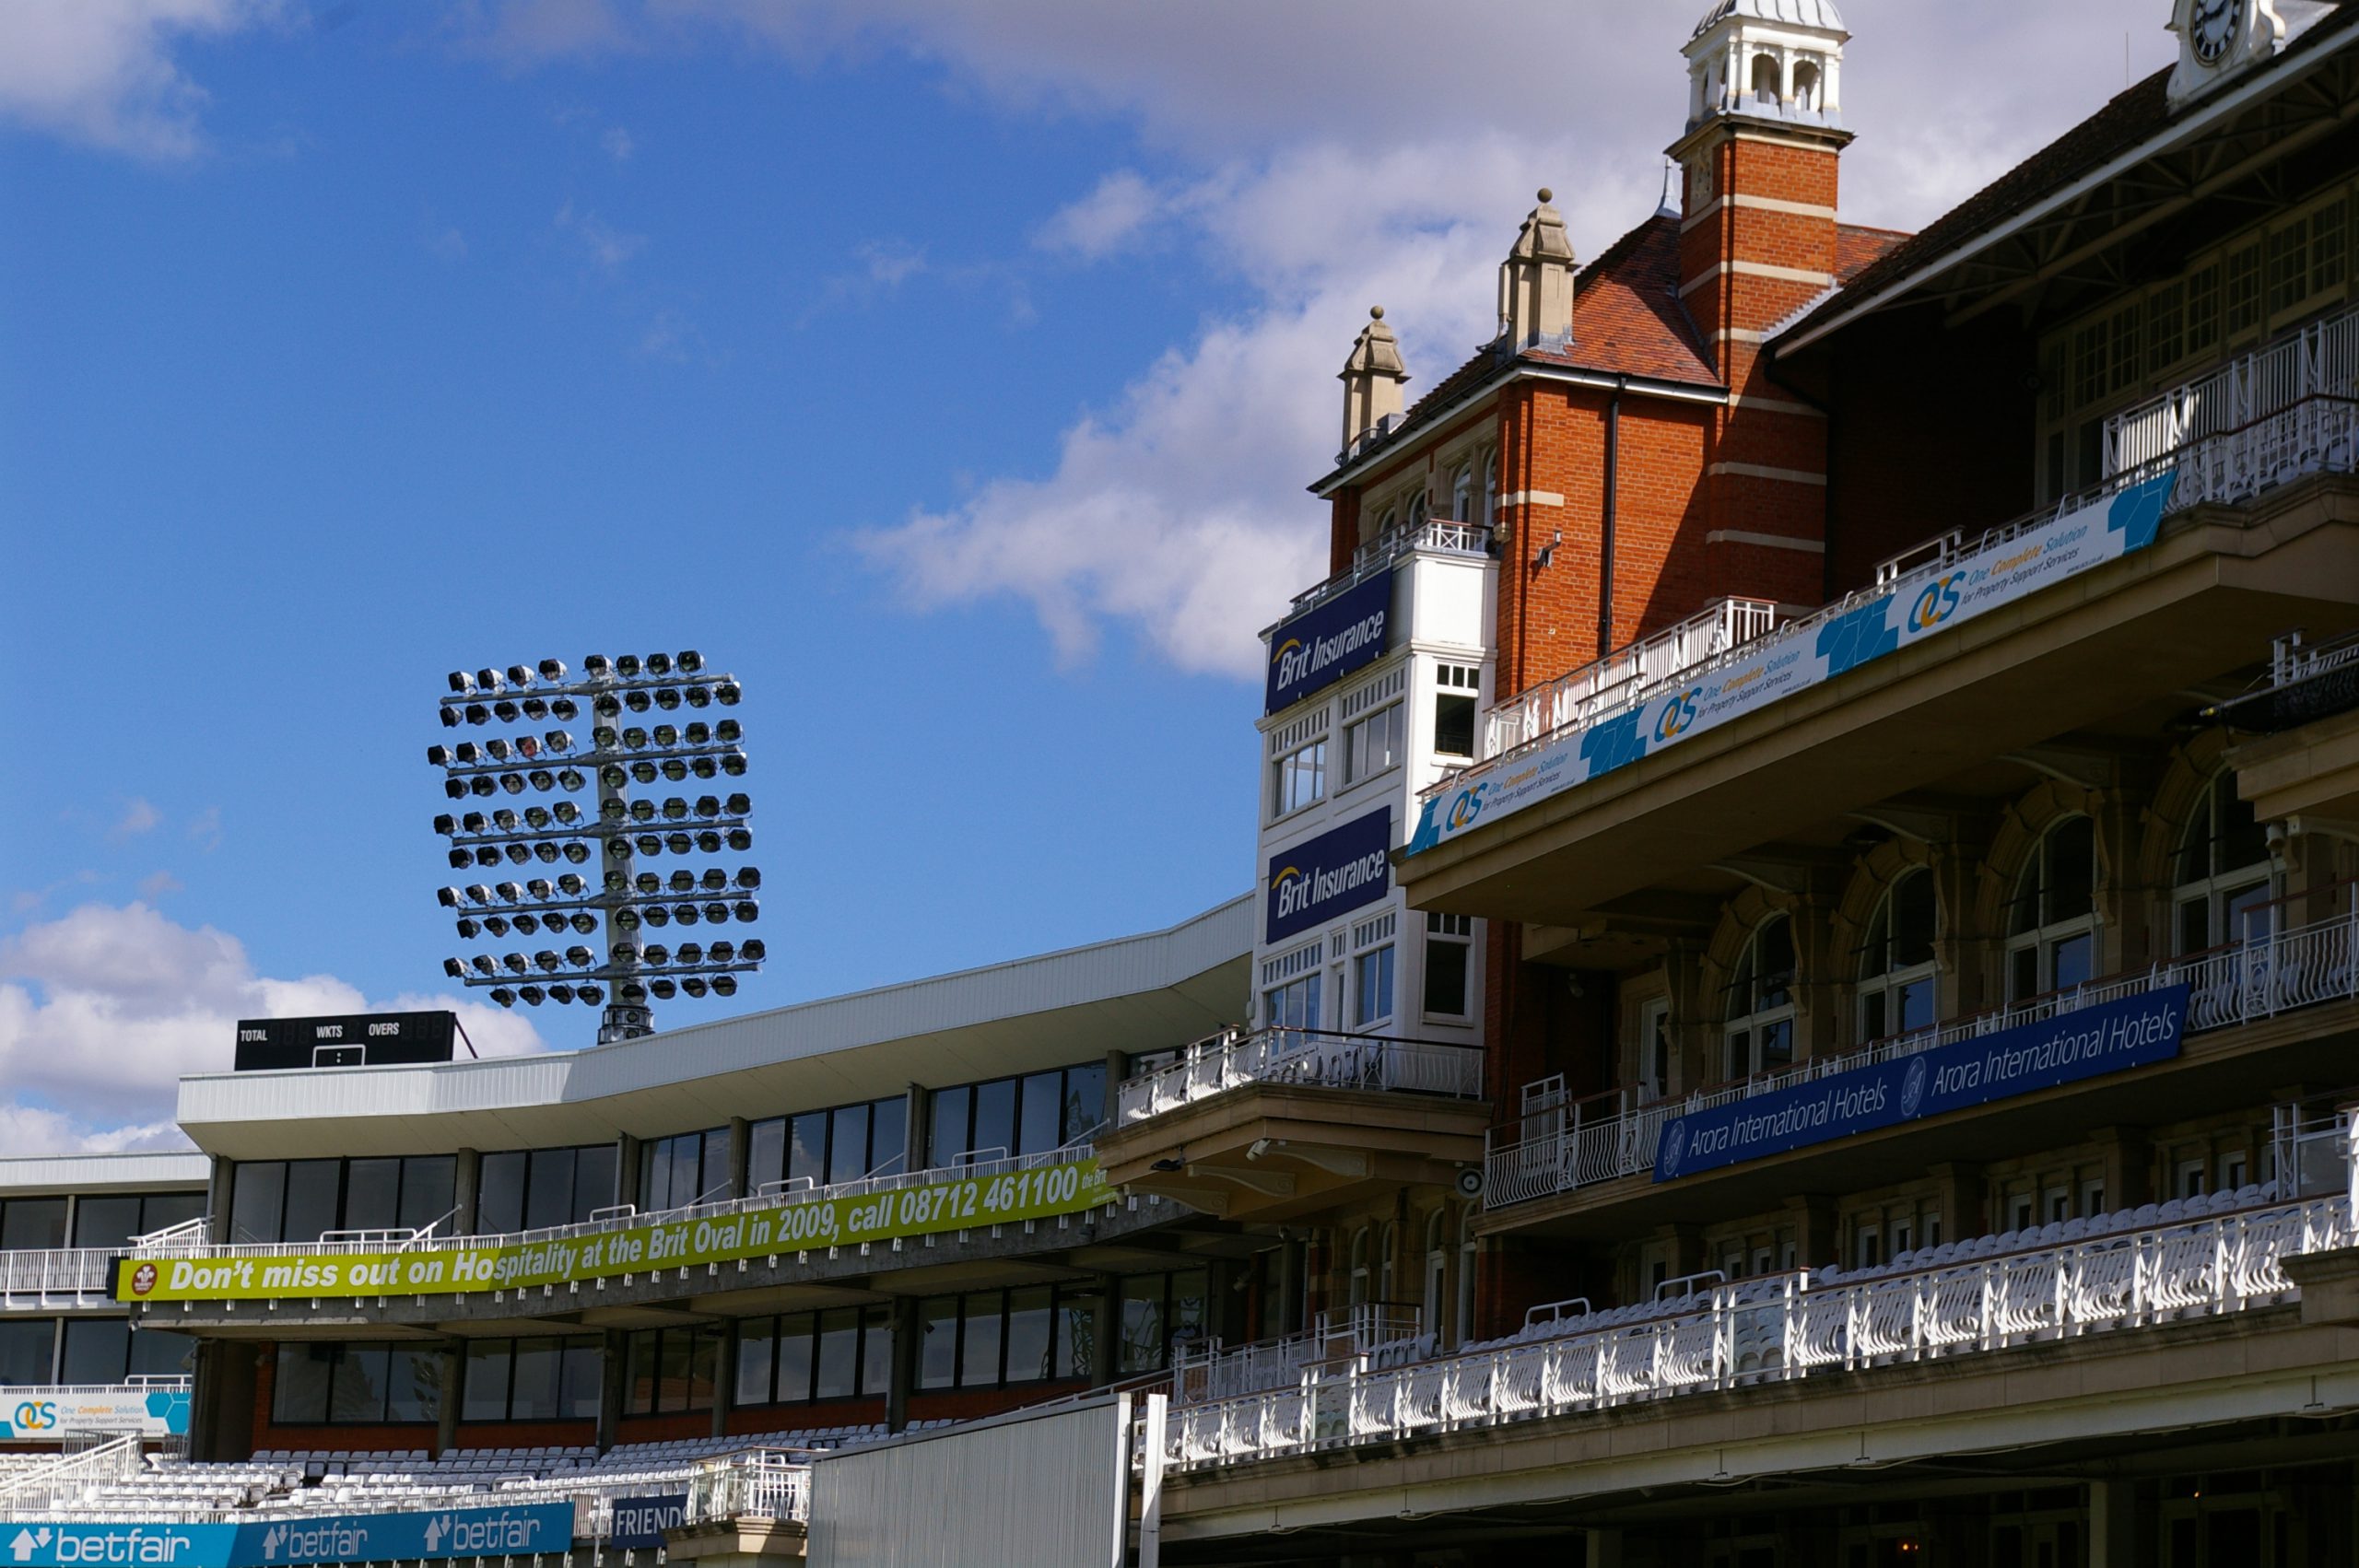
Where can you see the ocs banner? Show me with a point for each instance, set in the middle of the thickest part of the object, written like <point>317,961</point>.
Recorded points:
<point>1321,878</point>
<point>1794,660</point>
<point>2108,1037</point>
<point>49,1414</point>
<point>544,1529</point>
<point>1321,646</point>
<point>1041,1193</point>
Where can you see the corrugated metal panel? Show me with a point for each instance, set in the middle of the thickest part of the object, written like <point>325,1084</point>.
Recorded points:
<point>1045,1490</point>
<point>96,1172</point>
<point>1138,993</point>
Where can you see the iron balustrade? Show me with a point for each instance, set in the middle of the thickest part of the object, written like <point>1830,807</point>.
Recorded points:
<point>64,1276</point>
<point>1377,1331</point>
<point>1440,536</point>
<point>1565,1147</point>
<point>1319,1058</point>
<point>2322,357</point>
<point>751,1486</point>
<point>1613,683</point>
<point>1785,1328</point>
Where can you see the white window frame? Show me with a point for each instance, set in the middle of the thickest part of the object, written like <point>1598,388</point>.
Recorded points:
<point>2044,937</point>
<point>1880,980</point>
<point>1446,931</point>
<point>1298,969</point>
<point>1374,942</point>
<point>1387,693</point>
<point>2226,896</point>
<point>1752,1023</point>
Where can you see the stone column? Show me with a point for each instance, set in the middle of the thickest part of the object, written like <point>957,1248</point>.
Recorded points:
<point>447,1366</point>
<point>2113,1525</point>
<point>613,1371</point>
<point>1817,1238</point>
<point>466,1185</point>
<point>724,1373</point>
<point>1106,1333</point>
<point>1960,1185</point>
<point>2129,1166</point>
<point>904,1379</point>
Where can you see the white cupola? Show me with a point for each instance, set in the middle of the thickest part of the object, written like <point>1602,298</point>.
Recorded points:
<point>1372,375</point>
<point>1536,281</point>
<point>1767,60</point>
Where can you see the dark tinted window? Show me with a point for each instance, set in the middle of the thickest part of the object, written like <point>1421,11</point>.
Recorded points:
<point>97,1349</point>
<point>258,1193</point>
<point>106,1222</point>
<point>500,1193</point>
<point>26,1345</point>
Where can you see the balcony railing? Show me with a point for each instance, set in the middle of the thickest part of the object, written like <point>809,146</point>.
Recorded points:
<point>1562,1148</point>
<point>54,1277</point>
<point>751,1486</point>
<point>1785,1328</point>
<point>1380,1333</point>
<point>2292,373</point>
<point>1614,682</point>
<point>1316,1057</point>
<point>1442,535</point>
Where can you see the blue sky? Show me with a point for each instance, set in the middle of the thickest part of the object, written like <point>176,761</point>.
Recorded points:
<point>949,372</point>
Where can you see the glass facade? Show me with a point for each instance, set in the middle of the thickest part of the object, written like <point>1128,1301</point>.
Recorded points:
<point>112,1219</point>
<point>303,1200</point>
<point>826,1147</point>
<point>991,1338</point>
<point>1031,1115</point>
<point>840,1355</point>
<point>335,1384</point>
<point>688,1167</point>
<point>526,1189</point>
<point>668,1370</point>
<point>536,1379</point>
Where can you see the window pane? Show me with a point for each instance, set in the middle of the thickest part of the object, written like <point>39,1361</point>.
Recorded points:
<point>848,1145</point>
<point>948,1136</point>
<point>428,1190</point>
<point>888,1134</point>
<point>1076,1334</point>
<point>1873,1024</point>
<point>795,1342</point>
<point>2023,973</point>
<point>639,1373</point>
<point>1190,1293</point>
<point>25,1345</point>
<point>159,1352</point>
<point>1029,1334</point>
<point>806,1157</point>
<point>704,1369</point>
<point>1775,971</point>
<point>487,1385</point>
<point>371,1194</point>
<point>256,1191</point>
<point>1143,1324</point>
<point>579,1386</point>
<point>500,1193</point>
<point>674,1356</point>
<point>1917,1005</point>
<point>2195,925</point>
<point>533,1382</point>
<point>548,1189</point>
<point>938,1347</point>
<point>594,1179</point>
<point>413,1384</point>
<point>1374,974</point>
<point>839,1353</point>
<point>97,1349</point>
<point>1085,1101</point>
<point>979,1350</point>
<point>764,1152</point>
<point>654,1175</point>
<point>757,1351</point>
<point>2073,956</point>
<point>877,1350</point>
<point>1454,725</point>
<point>2072,870</point>
<point>105,1221</point>
<point>1777,1041</point>
<point>718,1175</point>
<point>688,1169</point>
<point>1446,978</point>
<point>357,1388</point>
<point>162,1211</point>
<point>995,1119</point>
<point>299,1393</point>
<point>311,1198</point>
<point>1912,920</point>
<point>1043,1112</point>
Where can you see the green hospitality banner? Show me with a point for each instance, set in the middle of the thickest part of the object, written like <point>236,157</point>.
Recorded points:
<point>1041,1193</point>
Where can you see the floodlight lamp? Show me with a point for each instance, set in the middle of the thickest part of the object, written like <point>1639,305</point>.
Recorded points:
<point>537,818</point>
<point>603,738</point>
<point>739,805</point>
<point>545,852</point>
<point>596,667</point>
<point>570,779</point>
<point>504,819</point>
<point>614,808</point>
<point>675,809</point>
<point>446,825</point>
<point>583,924</point>
<point>520,674</point>
<point>520,854</point>
<point>624,952</point>
<point>536,708</point>
<point>699,733</point>
<point>437,756</point>
<point>631,994</point>
<point>728,693</point>
<point>619,847</point>
<point>637,701</point>
<point>613,776</point>
<point>729,731</point>
<point>507,712</point>
<point>553,671</point>
<point>666,735</point>
<point>642,772</point>
<point>515,962</point>
<point>647,882</point>
<point>542,779</point>
<point>503,996</point>
<point>689,953</point>
<point>451,718</point>
<point>478,893</point>
<point>461,859</point>
<point>496,749</point>
<point>663,991</point>
<point>674,771</point>
<point>658,916</point>
<point>733,764</point>
<point>525,924</point>
<point>488,856</point>
<point>627,666</point>
<point>512,782</point>
<point>607,706</point>
<point>571,885</point>
<point>474,822</point>
<point>749,878</point>
<point>627,919</point>
<point>656,952</point>
<point>566,812</point>
<point>704,767</point>
<point>495,924</point>
<point>560,992</point>
<point>454,969</point>
<point>559,742</point>
<point>643,810</point>
<point>679,843</point>
<point>508,893</point>
<point>547,959</point>
<point>714,879</point>
<point>591,994</point>
<point>533,994</point>
<point>462,683</point>
<point>455,789</point>
<point>724,985</point>
<point>482,784</point>
<point>490,681</point>
<point>617,882</point>
<point>564,710</point>
<point>477,713</point>
<point>482,964</point>
<point>578,956</point>
<point>690,661</point>
<point>698,697</point>
<point>748,909</point>
<point>634,739</point>
<point>686,914</point>
<point>468,752</point>
<point>448,897</point>
<point>708,806</point>
<point>528,747</point>
<point>667,698</point>
<point>658,663</point>
<point>576,853</point>
<point>539,888</point>
<point>694,984</point>
<point>717,913</point>
<point>752,952</point>
<point>721,951</point>
<point>469,929</point>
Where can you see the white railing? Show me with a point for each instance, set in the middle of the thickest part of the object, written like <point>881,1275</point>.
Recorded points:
<point>64,1276</point>
<point>2322,357</point>
<point>26,1495</point>
<point>186,1242</point>
<point>1786,1328</point>
<point>1374,1333</point>
<point>1567,1147</point>
<point>751,1486</point>
<point>1323,1058</point>
<point>1441,535</point>
<point>1613,683</point>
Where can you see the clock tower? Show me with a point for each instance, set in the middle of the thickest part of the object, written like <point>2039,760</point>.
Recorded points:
<point>2217,39</point>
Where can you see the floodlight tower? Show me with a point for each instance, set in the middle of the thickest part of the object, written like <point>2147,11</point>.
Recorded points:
<point>608,846</point>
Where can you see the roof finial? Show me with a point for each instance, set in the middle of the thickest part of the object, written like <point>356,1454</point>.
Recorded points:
<point>1667,207</point>
<point>1376,313</point>
<point>1547,195</point>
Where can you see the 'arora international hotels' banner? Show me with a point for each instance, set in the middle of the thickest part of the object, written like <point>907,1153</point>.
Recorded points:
<point>1795,661</point>
<point>1041,1193</point>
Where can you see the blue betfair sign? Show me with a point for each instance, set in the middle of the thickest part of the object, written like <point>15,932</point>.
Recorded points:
<point>1323,645</point>
<point>2091,1041</point>
<point>641,1521</point>
<point>539,1528</point>
<point>1321,878</point>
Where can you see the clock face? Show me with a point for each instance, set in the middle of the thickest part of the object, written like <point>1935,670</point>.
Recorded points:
<point>2213,27</point>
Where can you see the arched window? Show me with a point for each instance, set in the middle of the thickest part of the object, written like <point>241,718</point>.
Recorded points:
<point>1355,1296</point>
<point>1490,518</point>
<point>2051,925</point>
<point>1436,1279</point>
<point>1417,509</point>
<point>2222,872</point>
<point>1764,79</point>
<point>1761,1001</point>
<point>1388,1284</point>
<point>1897,961</point>
<point>1461,495</point>
<point>1806,85</point>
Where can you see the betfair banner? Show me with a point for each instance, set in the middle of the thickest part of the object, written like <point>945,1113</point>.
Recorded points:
<point>1805,655</point>
<point>1043,1193</point>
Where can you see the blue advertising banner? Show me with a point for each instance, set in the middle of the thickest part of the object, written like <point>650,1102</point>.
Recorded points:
<point>2106,1038</point>
<point>1807,654</point>
<point>641,1521</point>
<point>544,1528</point>
<point>1326,643</point>
<point>1321,878</point>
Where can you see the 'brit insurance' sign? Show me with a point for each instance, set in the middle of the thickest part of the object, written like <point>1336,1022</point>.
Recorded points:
<point>2085,1043</point>
<point>1321,878</point>
<point>1323,645</point>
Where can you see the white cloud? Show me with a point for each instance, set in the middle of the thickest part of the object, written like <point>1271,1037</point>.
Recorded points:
<point>102,1010</point>
<point>1107,219</point>
<point>618,144</point>
<point>157,883</point>
<point>607,245</point>
<point>37,1130</point>
<point>101,71</point>
<point>138,816</point>
<point>205,829</point>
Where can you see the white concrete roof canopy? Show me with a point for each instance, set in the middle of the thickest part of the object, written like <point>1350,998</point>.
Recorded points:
<point>50,1175</point>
